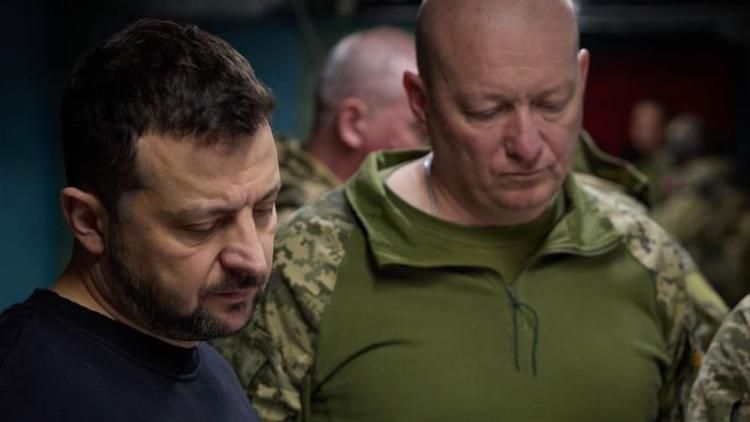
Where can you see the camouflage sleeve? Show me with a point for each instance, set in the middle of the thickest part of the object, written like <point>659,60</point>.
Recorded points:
<point>290,199</point>
<point>671,268</point>
<point>710,309</point>
<point>722,390</point>
<point>274,356</point>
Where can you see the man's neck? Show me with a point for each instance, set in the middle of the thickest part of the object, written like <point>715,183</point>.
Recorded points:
<point>78,284</point>
<point>325,147</point>
<point>413,184</point>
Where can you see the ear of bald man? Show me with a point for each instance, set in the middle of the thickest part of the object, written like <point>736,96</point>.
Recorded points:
<point>351,122</point>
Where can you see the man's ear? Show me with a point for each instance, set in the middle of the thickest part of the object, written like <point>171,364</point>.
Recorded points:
<point>415,90</point>
<point>86,217</point>
<point>584,57</point>
<point>351,122</point>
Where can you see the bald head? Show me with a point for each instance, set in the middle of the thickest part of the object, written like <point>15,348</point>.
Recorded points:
<point>490,24</point>
<point>368,65</point>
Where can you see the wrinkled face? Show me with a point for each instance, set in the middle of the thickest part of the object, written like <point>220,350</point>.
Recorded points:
<point>191,250</point>
<point>392,125</point>
<point>504,112</point>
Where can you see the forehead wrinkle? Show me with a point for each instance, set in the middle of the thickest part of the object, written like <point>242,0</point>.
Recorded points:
<point>181,170</point>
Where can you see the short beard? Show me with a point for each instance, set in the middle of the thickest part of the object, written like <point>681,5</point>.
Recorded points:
<point>142,298</point>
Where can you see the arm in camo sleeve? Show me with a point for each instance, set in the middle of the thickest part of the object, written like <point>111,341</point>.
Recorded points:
<point>275,368</point>
<point>710,309</point>
<point>722,390</point>
<point>671,267</point>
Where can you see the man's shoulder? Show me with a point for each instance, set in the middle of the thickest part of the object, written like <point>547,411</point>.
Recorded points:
<point>300,167</point>
<point>628,216</point>
<point>737,328</point>
<point>35,365</point>
<point>309,248</point>
<point>13,322</point>
<point>721,390</point>
<point>303,178</point>
<point>652,246</point>
<point>325,223</point>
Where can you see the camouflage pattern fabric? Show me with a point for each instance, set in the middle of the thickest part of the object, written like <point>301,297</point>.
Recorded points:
<point>722,390</point>
<point>303,178</point>
<point>273,356</point>
<point>709,216</point>
<point>594,168</point>
<point>671,267</point>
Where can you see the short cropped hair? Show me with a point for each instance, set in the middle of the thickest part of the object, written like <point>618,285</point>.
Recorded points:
<point>154,78</point>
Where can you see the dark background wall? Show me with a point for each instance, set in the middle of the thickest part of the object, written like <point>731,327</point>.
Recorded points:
<point>691,55</point>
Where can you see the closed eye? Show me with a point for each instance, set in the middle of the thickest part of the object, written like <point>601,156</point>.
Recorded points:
<point>264,210</point>
<point>485,114</point>
<point>202,229</point>
<point>552,107</point>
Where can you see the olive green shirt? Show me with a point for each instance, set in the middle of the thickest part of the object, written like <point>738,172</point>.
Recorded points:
<point>379,312</point>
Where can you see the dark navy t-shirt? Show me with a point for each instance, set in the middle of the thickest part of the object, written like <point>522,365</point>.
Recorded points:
<point>62,362</point>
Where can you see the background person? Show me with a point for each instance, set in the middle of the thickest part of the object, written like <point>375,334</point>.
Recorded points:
<point>360,107</point>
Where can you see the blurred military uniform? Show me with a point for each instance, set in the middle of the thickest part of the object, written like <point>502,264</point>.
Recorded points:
<point>303,178</point>
<point>373,298</point>
<point>721,392</point>
<point>609,171</point>
<point>709,216</point>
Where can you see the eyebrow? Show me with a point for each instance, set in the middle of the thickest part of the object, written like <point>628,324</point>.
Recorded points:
<point>565,87</point>
<point>192,213</point>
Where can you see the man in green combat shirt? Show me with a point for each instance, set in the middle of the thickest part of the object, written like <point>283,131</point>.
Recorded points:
<point>480,282</point>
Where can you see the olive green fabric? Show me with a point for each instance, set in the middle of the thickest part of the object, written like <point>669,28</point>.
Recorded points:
<point>615,172</point>
<point>720,244</point>
<point>364,323</point>
<point>429,333</point>
<point>502,249</point>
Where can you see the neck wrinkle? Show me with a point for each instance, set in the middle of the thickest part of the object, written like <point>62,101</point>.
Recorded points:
<point>451,209</point>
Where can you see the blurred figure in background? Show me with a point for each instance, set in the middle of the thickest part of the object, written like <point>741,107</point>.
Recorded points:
<point>360,107</point>
<point>705,208</point>
<point>648,120</point>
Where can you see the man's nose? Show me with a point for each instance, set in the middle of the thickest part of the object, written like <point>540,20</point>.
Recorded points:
<point>244,250</point>
<point>523,141</point>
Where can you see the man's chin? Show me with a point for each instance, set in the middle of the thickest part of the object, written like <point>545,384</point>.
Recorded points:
<point>530,200</point>
<point>233,320</point>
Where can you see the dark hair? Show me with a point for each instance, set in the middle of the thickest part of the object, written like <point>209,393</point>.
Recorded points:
<point>154,77</point>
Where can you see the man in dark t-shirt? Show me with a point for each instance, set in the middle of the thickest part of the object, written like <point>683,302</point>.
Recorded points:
<point>172,179</point>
